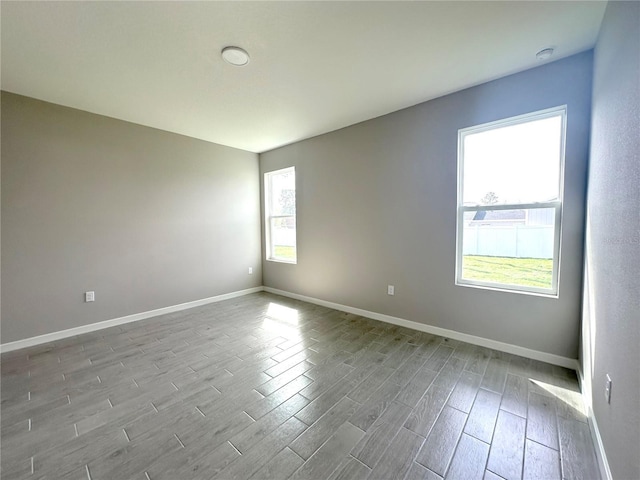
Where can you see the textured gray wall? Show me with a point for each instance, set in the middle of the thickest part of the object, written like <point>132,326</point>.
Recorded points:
<point>146,218</point>
<point>377,206</point>
<point>611,321</point>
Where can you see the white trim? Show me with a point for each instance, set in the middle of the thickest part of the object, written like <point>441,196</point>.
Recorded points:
<point>278,260</point>
<point>601,454</point>
<point>506,288</point>
<point>524,118</point>
<point>92,327</point>
<point>464,337</point>
<point>510,206</point>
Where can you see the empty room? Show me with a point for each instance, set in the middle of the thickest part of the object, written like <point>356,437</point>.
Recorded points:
<point>320,240</point>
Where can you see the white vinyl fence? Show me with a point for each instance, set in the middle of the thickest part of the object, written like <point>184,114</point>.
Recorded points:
<point>519,241</point>
<point>283,236</point>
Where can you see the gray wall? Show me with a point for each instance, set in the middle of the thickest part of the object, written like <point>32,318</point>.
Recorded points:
<point>611,321</point>
<point>377,206</point>
<point>146,218</point>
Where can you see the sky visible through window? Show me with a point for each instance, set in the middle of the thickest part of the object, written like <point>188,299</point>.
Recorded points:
<point>518,163</point>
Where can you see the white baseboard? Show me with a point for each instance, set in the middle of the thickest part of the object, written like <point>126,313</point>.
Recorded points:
<point>601,454</point>
<point>92,327</point>
<point>443,332</point>
<point>484,342</point>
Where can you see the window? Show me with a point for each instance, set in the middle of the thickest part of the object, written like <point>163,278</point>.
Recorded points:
<point>280,210</point>
<point>510,176</point>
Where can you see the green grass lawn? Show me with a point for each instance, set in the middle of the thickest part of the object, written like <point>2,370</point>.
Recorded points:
<point>285,252</point>
<point>534,272</point>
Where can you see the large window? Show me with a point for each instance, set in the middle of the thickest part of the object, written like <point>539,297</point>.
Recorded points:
<point>280,210</point>
<point>510,176</point>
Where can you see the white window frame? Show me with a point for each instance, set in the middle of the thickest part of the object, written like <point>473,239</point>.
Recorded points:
<point>269,252</point>
<point>557,205</point>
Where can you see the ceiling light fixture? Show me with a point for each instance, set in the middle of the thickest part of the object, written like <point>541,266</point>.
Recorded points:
<point>544,54</point>
<point>235,56</point>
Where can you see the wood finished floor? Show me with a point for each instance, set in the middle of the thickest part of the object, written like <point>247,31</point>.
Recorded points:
<point>265,387</point>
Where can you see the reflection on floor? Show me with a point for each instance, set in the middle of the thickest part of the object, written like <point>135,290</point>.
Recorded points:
<point>263,386</point>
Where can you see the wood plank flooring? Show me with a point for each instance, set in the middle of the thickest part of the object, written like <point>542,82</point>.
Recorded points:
<point>265,387</point>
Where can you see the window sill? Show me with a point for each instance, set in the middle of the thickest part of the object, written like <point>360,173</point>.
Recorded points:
<point>280,260</point>
<point>508,289</point>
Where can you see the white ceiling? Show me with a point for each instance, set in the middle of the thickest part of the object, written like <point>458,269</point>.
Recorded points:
<point>315,66</point>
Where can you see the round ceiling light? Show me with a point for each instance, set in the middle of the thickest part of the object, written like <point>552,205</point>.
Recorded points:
<point>544,54</point>
<point>235,56</point>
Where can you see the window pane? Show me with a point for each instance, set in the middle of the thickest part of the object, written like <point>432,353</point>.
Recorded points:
<point>513,164</point>
<point>283,193</point>
<point>280,206</point>
<point>510,247</point>
<point>283,238</point>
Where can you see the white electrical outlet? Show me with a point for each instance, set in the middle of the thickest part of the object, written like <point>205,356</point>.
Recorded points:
<point>250,270</point>
<point>89,296</point>
<point>607,389</point>
<point>391,290</point>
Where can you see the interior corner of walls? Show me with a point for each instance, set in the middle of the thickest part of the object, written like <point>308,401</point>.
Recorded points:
<point>415,138</point>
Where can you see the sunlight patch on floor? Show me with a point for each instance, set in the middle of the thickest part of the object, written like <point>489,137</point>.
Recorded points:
<point>570,398</point>
<point>281,320</point>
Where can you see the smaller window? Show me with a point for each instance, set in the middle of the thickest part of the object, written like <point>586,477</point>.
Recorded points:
<point>280,212</point>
